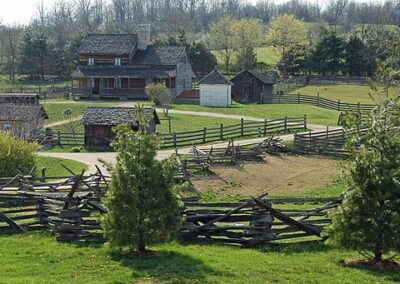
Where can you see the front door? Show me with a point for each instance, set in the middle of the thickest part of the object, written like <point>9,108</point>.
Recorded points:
<point>96,87</point>
<point>245,92</point>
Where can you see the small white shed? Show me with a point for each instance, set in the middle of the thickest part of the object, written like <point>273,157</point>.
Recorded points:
<point>215,90</point>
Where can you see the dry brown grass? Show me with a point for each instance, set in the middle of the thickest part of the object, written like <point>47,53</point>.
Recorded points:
<point>279,176</point>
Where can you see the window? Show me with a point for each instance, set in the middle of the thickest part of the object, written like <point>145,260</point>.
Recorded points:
<point>90,83</point>
<point>90,61</point>
<point>117,61</point>
<point>117,83</point>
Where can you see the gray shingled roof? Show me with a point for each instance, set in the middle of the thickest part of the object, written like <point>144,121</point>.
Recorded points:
<point>122,71</point>
<point>118,44</point>
<point>159,55</point>
<point>113,115</point>
<point>215,78</point>
<point>17,112</point>
<point>268,78</point>
<point>19,98</point>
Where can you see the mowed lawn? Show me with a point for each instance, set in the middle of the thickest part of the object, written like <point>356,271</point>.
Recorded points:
<point>345,93</point>
<point>54,166</point>
<point>38,258</point>
<point>315,115</point>
<point>24,82</point>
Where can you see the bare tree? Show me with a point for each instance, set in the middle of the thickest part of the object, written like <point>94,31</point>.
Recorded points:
<point>335,11</point>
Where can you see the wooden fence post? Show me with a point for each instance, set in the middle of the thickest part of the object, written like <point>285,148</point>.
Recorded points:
<point>338,105</point>
<point>174,140</point>
<point>317,99</point>
<point>169,125</point>
<point>265,127</point>
<point>305,121</point>
<point>279,98</point>
<point>298,97</point>
<point>59,137</point>
<point>43,177</point>
<point>204,134</point>
<point>241,127</point>
<point>285,123</point>
<point>221,134</point>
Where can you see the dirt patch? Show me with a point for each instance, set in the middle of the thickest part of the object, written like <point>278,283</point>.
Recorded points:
<point>276,175</point>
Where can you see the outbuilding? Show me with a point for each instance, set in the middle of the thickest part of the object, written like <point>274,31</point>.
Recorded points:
<point>250,86</point>
<point>215,90</point>
<point>99,122</point>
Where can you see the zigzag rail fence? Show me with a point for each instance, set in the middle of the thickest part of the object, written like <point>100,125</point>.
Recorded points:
<point>71,209</point>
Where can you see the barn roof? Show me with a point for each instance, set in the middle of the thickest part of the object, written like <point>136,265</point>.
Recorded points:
<point>159,55</point>
<point>19,98</point>
<point>114,115</point>
<point>215,78</point>
<point>122,71</point>
<point>268,79</point>
<point>118,44</point>
<point>18,112</point>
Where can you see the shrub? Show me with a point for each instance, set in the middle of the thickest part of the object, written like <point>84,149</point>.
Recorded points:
<point>16,155</point>
<point>76,149</point>
<point>159,94</point>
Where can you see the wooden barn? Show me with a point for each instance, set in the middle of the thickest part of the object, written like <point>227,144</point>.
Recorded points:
<point>250,86</point>
<point>215,90</point>
<point>99,121</point>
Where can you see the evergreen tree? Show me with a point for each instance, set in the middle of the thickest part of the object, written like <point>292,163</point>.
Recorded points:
<point>142,207</point>
<point>357,61</point>
<point>247,60</point>
<point>368,220</point>
<point>328,57</point>
<point>33,51</point>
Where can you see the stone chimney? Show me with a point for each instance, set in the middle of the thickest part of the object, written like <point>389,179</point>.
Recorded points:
<point>143,34</point>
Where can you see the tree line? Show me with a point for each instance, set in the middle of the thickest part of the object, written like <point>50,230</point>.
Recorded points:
<point>55,32</point>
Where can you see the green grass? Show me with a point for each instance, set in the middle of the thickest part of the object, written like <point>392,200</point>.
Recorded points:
<point>24,82</point>
<point>54,166</point>
<point>315,115</point>
<point>343,92</point>
<point>55,108</point>
<point>38,258</point>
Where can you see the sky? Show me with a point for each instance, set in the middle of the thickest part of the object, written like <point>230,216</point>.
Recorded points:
<point>21,11</point>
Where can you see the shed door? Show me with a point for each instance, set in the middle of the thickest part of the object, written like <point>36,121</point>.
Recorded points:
<point>245,92</point>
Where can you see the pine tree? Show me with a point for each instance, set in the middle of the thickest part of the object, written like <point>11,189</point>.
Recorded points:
<point>356,57</point>
<point>142,206</point>
<point>368,220</point>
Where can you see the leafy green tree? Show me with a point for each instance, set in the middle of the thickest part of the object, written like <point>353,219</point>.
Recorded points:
<point>221,38</point>
<point>142,206</point>
<point>33,51</point>
<point>289,35</point>
<point>368,220</point>
<point>247,34</point>
<point>357,61</point>
<point>328,57</point>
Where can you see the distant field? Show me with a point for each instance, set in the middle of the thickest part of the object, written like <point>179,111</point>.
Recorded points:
<point>314,114</point>
<point>54,166</point>
<point>343,92</point>
<point>24,82</point>
<point>267,58</point>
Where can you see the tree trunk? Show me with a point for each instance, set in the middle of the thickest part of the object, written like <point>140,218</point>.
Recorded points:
<point>141,245</point>
<point>378,256</point>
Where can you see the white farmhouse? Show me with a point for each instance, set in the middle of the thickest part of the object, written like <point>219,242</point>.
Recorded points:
<point>215,90</point>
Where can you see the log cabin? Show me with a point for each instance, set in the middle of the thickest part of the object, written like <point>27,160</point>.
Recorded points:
<point>99,122</point>
<point>22,116</point>
<point>252,87</point>
<point>121,65</point>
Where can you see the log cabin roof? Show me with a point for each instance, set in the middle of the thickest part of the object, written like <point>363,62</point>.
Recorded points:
<point>19,98</point>
<point>21,112</point>
<point>215,78</point>
<point>112,116</point>
<point>268,79</point>
<point>159,55</point>
<point>116,44</point>
<point>122,71</point>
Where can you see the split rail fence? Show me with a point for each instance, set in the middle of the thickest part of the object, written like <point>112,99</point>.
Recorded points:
<point>319,102</point>
<point>205,135</point>
<point>71,209</point>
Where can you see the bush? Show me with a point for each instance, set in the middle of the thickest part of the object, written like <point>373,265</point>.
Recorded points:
<point>159,94</point>
<point>16,155</point>
<point>76,149</point>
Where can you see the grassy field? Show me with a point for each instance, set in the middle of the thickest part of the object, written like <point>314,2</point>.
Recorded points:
<point>24,82</point>
<point>343,92</point>
<point>38,258</point>
<point>55,108</point>
<point>54,168</point>
<point>315,115</point>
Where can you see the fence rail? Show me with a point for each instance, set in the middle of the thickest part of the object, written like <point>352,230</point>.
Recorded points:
<point>205,135</point>
<point>320,102</point>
